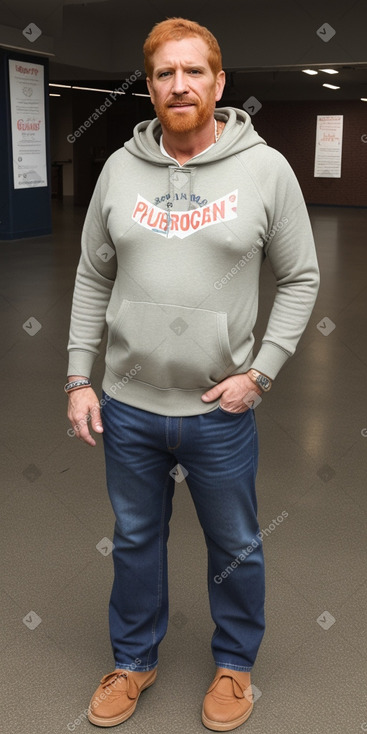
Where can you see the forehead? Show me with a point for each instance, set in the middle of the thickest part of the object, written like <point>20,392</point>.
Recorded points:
<point>191,50</point>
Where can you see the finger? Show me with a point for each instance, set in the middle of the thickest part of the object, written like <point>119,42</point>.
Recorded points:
<point>80,426</point>
<point>212,394</point>
<point>83,433</point>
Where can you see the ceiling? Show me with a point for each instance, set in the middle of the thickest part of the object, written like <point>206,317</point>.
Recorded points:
<point>78,36</point>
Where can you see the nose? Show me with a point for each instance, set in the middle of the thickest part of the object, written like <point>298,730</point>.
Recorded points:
<point>179,85</point>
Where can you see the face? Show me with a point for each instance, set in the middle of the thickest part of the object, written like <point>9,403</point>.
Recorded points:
<point>183,87</point>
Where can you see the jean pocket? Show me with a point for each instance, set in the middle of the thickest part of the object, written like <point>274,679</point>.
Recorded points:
<point>229,412</point>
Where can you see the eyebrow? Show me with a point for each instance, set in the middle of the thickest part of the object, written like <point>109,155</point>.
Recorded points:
<point>170,65</point>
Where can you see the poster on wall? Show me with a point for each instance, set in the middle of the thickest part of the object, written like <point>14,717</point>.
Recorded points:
<point>28,128</point>
<point>329,143</point>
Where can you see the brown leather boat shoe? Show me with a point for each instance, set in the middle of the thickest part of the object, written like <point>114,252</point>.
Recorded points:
<point>228,701</point>
<point>117,695</point>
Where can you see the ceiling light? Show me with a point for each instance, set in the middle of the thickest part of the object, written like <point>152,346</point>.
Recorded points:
<point>330,71</point>
<point>92,89</point>
<point>330,86</point>
<point>310,71</point>
<point>66,86</point>
<point>54,95</point>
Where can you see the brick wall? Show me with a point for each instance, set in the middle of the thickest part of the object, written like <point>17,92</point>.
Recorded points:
<point>291,128</point>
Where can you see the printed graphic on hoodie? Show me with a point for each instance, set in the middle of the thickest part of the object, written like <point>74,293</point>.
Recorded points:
<point>184,223</point>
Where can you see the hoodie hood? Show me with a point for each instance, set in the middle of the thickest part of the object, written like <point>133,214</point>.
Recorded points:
<point>237,136</point>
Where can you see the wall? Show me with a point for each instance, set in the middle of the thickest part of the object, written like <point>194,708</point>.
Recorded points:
<point>61,124</point>
<point>291,128</point>
<point>103,137</point>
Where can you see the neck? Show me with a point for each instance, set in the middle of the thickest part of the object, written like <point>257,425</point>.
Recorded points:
<point>183,146</point>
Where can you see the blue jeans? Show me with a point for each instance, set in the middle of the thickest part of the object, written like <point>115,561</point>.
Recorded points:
<point>217,453</point>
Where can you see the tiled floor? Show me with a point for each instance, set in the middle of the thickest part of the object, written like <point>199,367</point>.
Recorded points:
<point>54,511</point>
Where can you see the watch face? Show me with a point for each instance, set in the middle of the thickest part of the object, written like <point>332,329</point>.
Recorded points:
<point>263,382</point>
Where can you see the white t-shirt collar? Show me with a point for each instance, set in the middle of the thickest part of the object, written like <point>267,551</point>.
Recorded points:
<point>163,150</point>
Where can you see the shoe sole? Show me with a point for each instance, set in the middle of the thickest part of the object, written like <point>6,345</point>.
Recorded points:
<point>113,721</point>
<point>225,725</point>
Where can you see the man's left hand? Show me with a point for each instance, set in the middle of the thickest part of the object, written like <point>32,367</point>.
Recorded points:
<point>232,392</point>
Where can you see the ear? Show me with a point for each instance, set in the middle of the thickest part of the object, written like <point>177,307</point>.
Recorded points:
<point>150,89</point>
<point>219,85</point>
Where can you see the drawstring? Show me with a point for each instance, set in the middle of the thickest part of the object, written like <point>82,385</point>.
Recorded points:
<point>176,179</point>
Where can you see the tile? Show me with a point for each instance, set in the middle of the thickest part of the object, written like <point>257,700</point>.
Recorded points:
<point>326,410</point>
<point>312,549</point>
<point>44,544</point>
<point>351,470</point>
<point>317,689</point>
<point>352,619</point>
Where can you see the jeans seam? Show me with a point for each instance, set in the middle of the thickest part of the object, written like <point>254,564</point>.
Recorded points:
<point>171,448</point>
<point>160,568</point>
<point>230,666</point>
<point>138,668</point>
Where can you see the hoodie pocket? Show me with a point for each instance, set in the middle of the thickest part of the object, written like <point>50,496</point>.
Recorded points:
<point>175,346</point>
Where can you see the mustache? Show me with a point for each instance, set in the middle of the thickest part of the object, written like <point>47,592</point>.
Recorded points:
<point>181,102</point>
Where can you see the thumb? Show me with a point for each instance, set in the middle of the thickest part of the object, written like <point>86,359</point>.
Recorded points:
<point>96,420</point>
<point>212,394</point>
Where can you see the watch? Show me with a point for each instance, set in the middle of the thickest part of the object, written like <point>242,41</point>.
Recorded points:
<point>261,380</point>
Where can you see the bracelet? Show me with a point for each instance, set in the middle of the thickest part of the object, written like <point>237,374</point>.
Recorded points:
<point>76,385</point>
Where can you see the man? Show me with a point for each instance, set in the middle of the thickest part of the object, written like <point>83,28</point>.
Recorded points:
<point>179,224</point>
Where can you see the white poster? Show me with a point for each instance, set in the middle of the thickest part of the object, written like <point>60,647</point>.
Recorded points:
<point>329,143</point>
<point>27,105</point>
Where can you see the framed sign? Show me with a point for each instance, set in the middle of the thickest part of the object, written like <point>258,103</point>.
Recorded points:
<point>329,143</point>
<point>28,127</point>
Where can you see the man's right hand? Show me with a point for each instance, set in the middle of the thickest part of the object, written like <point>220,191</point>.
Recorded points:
<point>84,412</point>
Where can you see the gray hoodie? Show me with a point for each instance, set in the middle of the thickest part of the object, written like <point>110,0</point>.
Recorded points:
<point>170,260</point>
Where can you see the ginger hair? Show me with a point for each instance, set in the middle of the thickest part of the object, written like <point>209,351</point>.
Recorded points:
<point>173,29</point>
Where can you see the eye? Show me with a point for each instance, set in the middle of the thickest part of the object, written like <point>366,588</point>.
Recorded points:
<point>194,71</point>
<point>163,74</point>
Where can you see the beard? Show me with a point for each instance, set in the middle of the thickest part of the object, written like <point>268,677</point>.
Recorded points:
<point>184,122</point>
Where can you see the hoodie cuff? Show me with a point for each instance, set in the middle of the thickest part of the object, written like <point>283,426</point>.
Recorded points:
<point>80,362</point>
<point>270,359</point>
